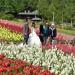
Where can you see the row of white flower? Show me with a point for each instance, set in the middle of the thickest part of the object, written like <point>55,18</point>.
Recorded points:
<point>55,60</point>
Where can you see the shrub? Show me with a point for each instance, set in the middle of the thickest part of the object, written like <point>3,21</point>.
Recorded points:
<point>68,28</point>
<point>6,16</point>
<point>15,20</point>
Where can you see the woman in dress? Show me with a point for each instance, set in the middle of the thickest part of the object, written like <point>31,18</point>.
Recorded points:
<point>33,37</point>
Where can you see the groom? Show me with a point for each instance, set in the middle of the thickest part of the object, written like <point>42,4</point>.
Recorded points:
<point>26,32</point>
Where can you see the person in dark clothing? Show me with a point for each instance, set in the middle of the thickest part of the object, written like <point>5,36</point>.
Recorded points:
<point>52,32</point>
<point>26,32</point>
<point>46,32</point>
<point>41,33</point>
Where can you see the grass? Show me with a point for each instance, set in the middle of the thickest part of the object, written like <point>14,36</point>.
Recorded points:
<point>69,32</point>
<point>20,21</point>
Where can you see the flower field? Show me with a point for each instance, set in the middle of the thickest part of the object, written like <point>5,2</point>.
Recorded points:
<point>7,35</point>
<point>19,67</point>
<point>31,60</point>
<point>11,26</point>
<point>53,59</point>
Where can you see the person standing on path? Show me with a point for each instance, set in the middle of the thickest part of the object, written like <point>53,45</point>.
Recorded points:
<point>52,33</point>
<point>46,32</point>
<point>26,32</point>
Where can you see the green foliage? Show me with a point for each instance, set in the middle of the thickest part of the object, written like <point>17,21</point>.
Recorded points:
<point>68,27</point>
<point>15,20</point>
<point>6,16</point>
<point>43,7</point>
<point>64,10</point>
<point>70,32</point>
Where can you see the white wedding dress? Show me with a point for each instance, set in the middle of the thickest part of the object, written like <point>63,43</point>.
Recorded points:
<point>34,39</point>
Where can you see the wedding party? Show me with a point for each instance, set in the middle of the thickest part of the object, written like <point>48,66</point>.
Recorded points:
<point>47,33</point>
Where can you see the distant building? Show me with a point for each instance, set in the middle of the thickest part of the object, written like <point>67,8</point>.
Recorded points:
<point>31,14</point>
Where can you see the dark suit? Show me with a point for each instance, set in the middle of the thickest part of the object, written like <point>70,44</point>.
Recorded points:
<point>44,33</point>
<point>41,29</point>
<point>26,33</point>
<point>41,33</point>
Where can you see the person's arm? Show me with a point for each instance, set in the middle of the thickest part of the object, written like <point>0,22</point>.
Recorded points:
<point>55,33</point>
<point>41,29</point>
<point>24,30</point>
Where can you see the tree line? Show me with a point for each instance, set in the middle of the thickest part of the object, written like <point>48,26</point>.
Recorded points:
<point>62,10</point>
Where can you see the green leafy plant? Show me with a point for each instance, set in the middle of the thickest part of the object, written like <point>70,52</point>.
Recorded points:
<point>6,16</point>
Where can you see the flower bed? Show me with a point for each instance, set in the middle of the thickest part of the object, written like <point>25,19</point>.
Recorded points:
<point>7,35</point>
<point>66,48</point>
<point>19,67</point>
<point>11,26</point>
<point>52,59</point>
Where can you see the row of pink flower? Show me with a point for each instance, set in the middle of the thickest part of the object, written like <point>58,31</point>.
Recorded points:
<point>64,47</point>
<point>19,67</point>
<point>11,26</point>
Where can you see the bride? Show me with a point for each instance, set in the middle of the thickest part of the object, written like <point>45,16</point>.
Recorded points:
<point>33,37</point>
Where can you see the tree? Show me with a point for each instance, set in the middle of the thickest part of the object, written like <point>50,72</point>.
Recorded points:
<point>43,7</point>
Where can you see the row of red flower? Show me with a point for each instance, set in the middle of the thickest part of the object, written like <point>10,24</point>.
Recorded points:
<point>13,27</point>
<point>19,67</point>
<point>64,47</point>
